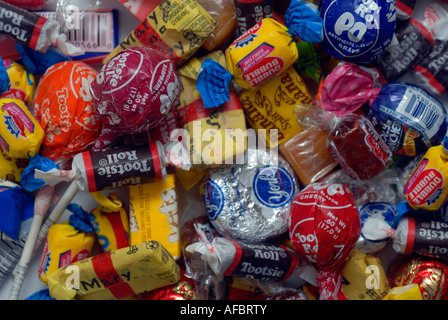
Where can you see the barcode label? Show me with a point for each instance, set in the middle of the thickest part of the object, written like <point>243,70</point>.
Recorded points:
<point>10,252</point>
<point>93,33</point>
<point>420,108</point>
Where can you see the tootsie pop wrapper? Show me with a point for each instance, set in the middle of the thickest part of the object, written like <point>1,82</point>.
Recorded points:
<point>134,92</point>
<point>428,273</point>
<point>251,202</point>
<point>34,31</point>
<point>262,53</point>
<point>261,261</point>
<point>117,274</point>
<point>176,29</point>
<point>324,226</point>
<point>424,237</point>
<point>65,110</point>
<point>359,32</point>
<point>119,167</point>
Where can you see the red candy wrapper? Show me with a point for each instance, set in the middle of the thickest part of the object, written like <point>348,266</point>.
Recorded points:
<point>324,227</point>
<point>430,274</point>
<point>182,290</point>
<point>134,92</point>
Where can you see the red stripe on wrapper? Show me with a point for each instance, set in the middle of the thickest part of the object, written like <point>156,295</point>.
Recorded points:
<point>236,259</point>
<point>156,161</point>
<point>91,184</point>
<point>294,262</point>
<point>36,32</point>
<point>121,237</point>
<point>403,7</point>
<point>421,28</point>
<point>110,279</point>
<point>431,80</point>
<point>411,236</point>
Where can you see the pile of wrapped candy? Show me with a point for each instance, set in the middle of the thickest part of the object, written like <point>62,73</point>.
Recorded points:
<point>234,150</point>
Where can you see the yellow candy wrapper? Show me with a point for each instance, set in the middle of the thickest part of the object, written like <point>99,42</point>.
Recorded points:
<point>115,275</point>
<point>176,28</point>
<point>272,106</point>
<point>154,214</point>
<point>426,188</point>
<point>20,134</point>
<point>213,132</point>
<point>364,277</point>
<point>21,84</point>
<point>10,168</point>
<point>408,292</point>
<point>268,39</point>
<point>111,227</point>
<point>64,245</point>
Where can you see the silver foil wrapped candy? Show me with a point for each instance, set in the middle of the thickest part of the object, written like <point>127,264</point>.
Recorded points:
<point>251,201</point>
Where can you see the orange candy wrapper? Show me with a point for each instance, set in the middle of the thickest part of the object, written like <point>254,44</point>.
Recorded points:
<point>64,107</point>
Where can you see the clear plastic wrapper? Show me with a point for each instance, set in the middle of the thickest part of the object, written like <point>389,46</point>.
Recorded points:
<point>36,32</point>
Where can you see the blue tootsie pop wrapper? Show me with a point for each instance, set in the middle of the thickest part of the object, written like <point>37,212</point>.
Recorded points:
<point>357,31</point>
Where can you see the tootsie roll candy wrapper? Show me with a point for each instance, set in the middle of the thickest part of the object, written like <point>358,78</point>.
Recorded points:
<point>119,167</point>
<point>116,275</point>
<point>251,201</point>
<point>37,32</point>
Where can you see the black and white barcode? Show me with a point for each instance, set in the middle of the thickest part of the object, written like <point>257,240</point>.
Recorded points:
<point>421,111</point>
<point>92,32</point>
<point>10,252</point>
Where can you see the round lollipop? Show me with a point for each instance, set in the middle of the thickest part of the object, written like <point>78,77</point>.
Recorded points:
<point>134,92</point>
<point>324,227</point>
<point>65,110</point>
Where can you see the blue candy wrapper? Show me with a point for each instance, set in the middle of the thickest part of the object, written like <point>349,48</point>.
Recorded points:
<point>400,107</point>
<point>80,219</point>
<point>27,179</point>
<point>38,62</point>
<point>357,31</point>
<point>4,77</point>
<point>213,83</point>
<point>16,207</point>
<point>303,21</point>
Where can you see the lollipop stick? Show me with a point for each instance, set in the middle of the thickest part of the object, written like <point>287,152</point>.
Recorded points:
<point>36,235</point>
<point>57,212</point>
